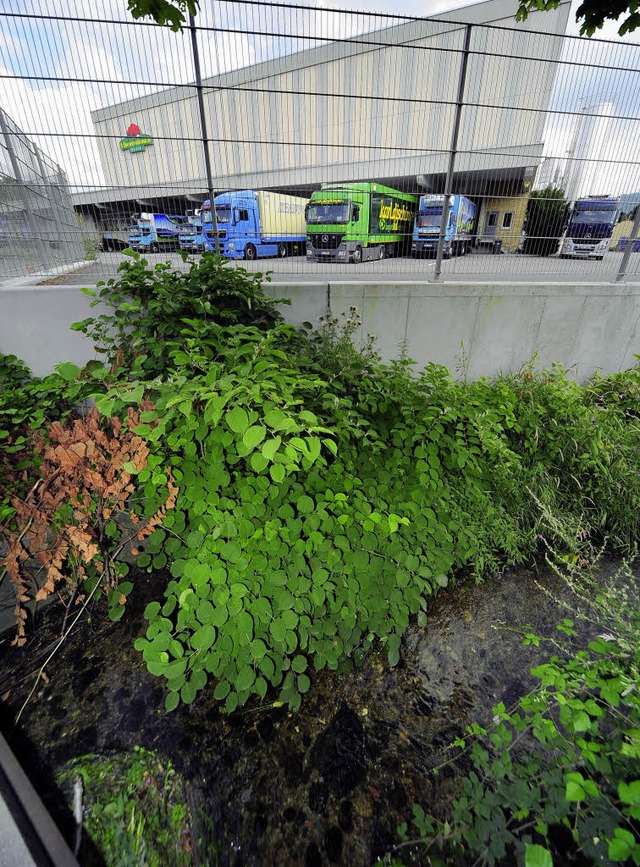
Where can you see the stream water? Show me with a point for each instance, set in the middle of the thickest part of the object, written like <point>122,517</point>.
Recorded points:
<point>328,785</point>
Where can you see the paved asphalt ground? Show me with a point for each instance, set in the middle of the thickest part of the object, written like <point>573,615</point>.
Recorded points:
<point>475,267</point>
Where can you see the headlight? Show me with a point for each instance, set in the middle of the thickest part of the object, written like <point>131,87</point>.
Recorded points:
<point>231,245</point>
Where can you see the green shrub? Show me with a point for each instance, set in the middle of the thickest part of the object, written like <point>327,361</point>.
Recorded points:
<point>324,495</point>
<point>555,779</point>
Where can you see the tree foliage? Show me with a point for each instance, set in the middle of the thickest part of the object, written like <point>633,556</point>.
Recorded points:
<point>592,14</point>
<point>172,14</point>
<point>546,218</point>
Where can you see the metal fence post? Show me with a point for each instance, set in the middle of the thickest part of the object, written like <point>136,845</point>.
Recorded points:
<point>453,149</point>
<point>629,248</point>
<point>203,130</point>
<point>28,213</point>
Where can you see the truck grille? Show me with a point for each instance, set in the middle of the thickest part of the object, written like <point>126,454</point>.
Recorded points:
<point>326,241</point>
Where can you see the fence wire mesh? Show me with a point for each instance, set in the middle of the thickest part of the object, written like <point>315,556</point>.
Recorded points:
<point>458,146</point>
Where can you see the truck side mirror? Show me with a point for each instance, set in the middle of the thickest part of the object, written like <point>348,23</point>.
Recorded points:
<point>236,216</point>
<point>306,213</point>
<point>356,213</point>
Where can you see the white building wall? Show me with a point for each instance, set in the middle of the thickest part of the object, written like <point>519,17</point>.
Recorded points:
<point>315,139</point>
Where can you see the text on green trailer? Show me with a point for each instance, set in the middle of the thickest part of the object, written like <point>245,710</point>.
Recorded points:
<point>359,222</point>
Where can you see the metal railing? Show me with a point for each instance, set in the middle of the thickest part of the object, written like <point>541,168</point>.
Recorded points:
<point>39,228</point>
<point>512,123</point>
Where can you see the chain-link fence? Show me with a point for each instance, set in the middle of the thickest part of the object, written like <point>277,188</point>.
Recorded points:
<point>334,143</point>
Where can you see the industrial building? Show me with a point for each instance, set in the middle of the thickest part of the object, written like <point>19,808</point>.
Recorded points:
<point>377,106</point>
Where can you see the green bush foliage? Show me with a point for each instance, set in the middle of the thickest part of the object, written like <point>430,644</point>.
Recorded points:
<point>556,778</point>
<point>324,496</point>
<point>135,808</point>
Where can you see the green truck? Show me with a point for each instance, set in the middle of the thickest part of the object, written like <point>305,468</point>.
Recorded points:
<point>358,222</point>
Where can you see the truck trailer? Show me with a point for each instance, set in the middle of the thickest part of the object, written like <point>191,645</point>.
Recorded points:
<point>358,222</point>
<point>590,227</point>
<point>253,224</point>
<point>459,228</point>
<point>153,233</point>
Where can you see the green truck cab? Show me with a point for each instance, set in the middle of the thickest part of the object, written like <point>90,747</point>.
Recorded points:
<point>359,222</point>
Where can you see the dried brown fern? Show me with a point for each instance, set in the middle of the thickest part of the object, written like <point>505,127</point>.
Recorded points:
<point>85,479</point>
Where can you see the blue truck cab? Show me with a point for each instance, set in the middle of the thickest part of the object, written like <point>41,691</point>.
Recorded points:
<point>190,237</point>
<point>253,224</point>
<point>153,233</point>
<point>459,229</point>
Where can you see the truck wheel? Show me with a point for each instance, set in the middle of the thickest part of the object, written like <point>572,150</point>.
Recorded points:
<point>250,253</point>
<point>382,252</point>
<point>282,251</point>
<point>357,255</point>
<point>154,248</point>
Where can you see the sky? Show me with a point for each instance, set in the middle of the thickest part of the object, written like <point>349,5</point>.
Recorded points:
<point>102,62</point>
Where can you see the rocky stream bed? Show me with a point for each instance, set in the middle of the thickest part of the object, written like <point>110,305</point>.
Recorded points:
<point>328,785</point>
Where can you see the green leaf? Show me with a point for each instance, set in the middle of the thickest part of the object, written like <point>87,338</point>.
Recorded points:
<point>537,856</point>
<point>299,664</point>
<point>581,722</point>
<point>277,472</point>
<point>222,690</point>
<point>172,701</point>
<point>245,679</point>
<point>271,447</point>
<point>278,630</point>
<point>253,436</point>
<point>574,791</point>
<point>258,462</point>
<point>68,371</point>
<point>629,793</point>
<point>237,419</point>
<point>258,649</point>
<point>305,505</point>
<point>188,692</point>
<point>203,638</point>
<point>303,683</point>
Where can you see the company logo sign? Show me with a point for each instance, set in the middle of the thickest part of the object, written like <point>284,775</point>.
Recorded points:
<point>135,141</point>
<point>392,214</point>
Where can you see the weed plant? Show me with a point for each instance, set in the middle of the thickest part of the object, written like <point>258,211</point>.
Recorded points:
<point>555,779</point>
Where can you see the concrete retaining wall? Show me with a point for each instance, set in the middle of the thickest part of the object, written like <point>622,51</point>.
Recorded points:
<point>481,329</point>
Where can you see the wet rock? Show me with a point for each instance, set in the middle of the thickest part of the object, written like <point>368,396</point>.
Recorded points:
<point>333,844</point>
<point>345,816</point>
<point>318,796</point>
<point>340,753</point>
<point>312,857</point>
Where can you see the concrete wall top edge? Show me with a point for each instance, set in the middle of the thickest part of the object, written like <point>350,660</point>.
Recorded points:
<point>477,288</point>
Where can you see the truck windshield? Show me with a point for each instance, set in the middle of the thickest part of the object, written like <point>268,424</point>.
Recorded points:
<point>223,215</point>
<point>590,216</point>
<point>430,217</point>
<point>319,212</point>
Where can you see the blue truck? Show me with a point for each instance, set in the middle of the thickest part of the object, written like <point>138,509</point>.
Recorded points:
<point>253,224</point>
<point>590,227</point>
<point>153,233</point>
<point>190,237</point>
<point>459,230</point>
